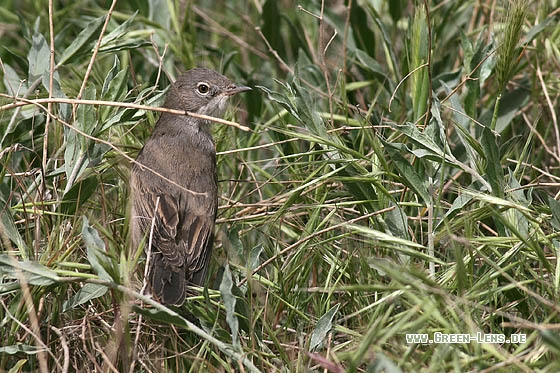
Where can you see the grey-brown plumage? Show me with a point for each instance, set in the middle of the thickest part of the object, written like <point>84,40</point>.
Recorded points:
<point>180,149</point>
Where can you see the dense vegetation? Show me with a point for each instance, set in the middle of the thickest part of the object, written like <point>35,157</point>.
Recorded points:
<point>400,175</point>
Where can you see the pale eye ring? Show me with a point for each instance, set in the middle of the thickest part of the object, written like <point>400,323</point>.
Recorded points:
<point>203,88</point>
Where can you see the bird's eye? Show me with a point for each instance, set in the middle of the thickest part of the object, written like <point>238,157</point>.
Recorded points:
<point>203,88</point>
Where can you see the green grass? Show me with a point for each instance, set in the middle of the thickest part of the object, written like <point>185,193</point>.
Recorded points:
<point>400,176</point>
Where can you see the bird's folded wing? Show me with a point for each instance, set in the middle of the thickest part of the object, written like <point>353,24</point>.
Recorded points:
<point>183,225</point>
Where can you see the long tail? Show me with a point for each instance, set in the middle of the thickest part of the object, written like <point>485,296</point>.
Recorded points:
<point>167,285</point>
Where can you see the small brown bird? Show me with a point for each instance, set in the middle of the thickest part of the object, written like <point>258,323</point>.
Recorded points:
<point>181,214</point>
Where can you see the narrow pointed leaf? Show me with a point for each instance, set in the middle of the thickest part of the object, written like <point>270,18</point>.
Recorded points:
<point>323,327</point>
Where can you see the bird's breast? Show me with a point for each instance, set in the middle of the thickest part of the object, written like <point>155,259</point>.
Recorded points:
<point>188,158</point>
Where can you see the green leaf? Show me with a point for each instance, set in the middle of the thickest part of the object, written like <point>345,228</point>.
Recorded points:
<point>551,20</point>
<point>305,103</point>
<point>510,104</point>
<point>38,57</point>
<point>409,175</point>
<point>396,9</point>
<point>75,154</point>
<point>493,167</point>
<point>422,141</point>
<point>18,367</point>
<point>449,78</point>
<point>282,99</point>
<point>354,86</point>
<point>461,274</point>
<point>78,194</point>
<point>85,294</point>
<point>118,32</point>
<point>551,339</point>
<point>406,247</point>
<point>33,272</point>
<point>115,84</point>
<point>96,251</point>
<point>236,244</point>
<point>9,16</point>
<point>20,348</point>
<point>82,42</point>
<point>159,13</point>
<point>368,63</point>
<point>365,38</point>
<point>113,118</point>
<point>254,257</point>
<point>397,221</point>
<point>271,25</point>
<point>464,124</point>
<point>110,76</point>
<point>85,114</point>
<point>7,224</point>
<point>96,153</point>
<point>226,290</point>
<point>125,45</point>
<point>14,84</point>
<point>478,64</point>
<point>65,110</point>
<point>323,327</point>
<point>253,262</point>
<point>72,155</point>
<point>436,129</point>
<point>383,364</point>
<point>387,39</point>
<point>457,205</point>
<point>119,39</point>
<point>165,316</point>
<point>554,206</point>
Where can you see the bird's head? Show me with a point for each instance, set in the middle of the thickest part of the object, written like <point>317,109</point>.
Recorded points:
<point>202,91</point>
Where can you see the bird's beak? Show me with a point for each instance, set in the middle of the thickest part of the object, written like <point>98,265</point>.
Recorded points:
<point>235,89</point>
